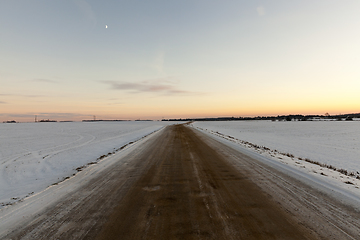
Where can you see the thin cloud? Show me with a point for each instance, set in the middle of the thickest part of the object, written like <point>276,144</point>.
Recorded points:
<point>60,115</point>
<point>156,86</point>
<point>44,80</point>
<point>29,96</point>
<point>115,103</point>
<point>44,115</point>
<point>2,102</point>
<point>165,80</point>
<point>12,115</point>
<point>22,95</point>
<point>260,10</point>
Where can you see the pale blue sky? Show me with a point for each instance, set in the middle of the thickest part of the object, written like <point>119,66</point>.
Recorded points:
<point>178,58</point>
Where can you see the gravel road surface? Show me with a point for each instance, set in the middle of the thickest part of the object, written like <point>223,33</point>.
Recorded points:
<point>181,184</point>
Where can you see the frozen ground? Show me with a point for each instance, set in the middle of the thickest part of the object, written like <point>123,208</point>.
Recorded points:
<point>59,210</point>
<point>334,182</point>
<point>34,156</point>
<point>326,151</point>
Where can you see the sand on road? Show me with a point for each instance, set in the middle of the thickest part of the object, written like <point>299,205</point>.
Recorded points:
<point>180,184</point>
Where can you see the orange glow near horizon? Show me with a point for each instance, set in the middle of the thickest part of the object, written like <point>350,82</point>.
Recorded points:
<point>293,58</point>
<point>22,114</point>
<point>157,108</point>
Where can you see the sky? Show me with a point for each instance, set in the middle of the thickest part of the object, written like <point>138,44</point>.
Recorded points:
<point>177,59</point>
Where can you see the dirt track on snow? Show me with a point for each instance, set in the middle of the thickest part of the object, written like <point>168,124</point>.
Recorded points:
<point>180,184</point>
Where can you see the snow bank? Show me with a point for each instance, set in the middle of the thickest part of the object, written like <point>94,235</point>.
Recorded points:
<point>335,143</point>
<point>36,155</point>
<point>324,153</point>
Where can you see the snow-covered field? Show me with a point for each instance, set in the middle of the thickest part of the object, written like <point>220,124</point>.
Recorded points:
<point>327,153</point>
<point>34,156</point>
<point>335,143</point>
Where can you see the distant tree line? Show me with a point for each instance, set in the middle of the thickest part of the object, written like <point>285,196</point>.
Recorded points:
<point>104,120</point>
<point>297,117</point>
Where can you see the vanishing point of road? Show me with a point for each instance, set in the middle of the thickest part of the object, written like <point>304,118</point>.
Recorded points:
<point>181,184</point>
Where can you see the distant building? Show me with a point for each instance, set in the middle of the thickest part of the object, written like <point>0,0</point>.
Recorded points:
<point>47,120</point>
<point>13,121</point>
